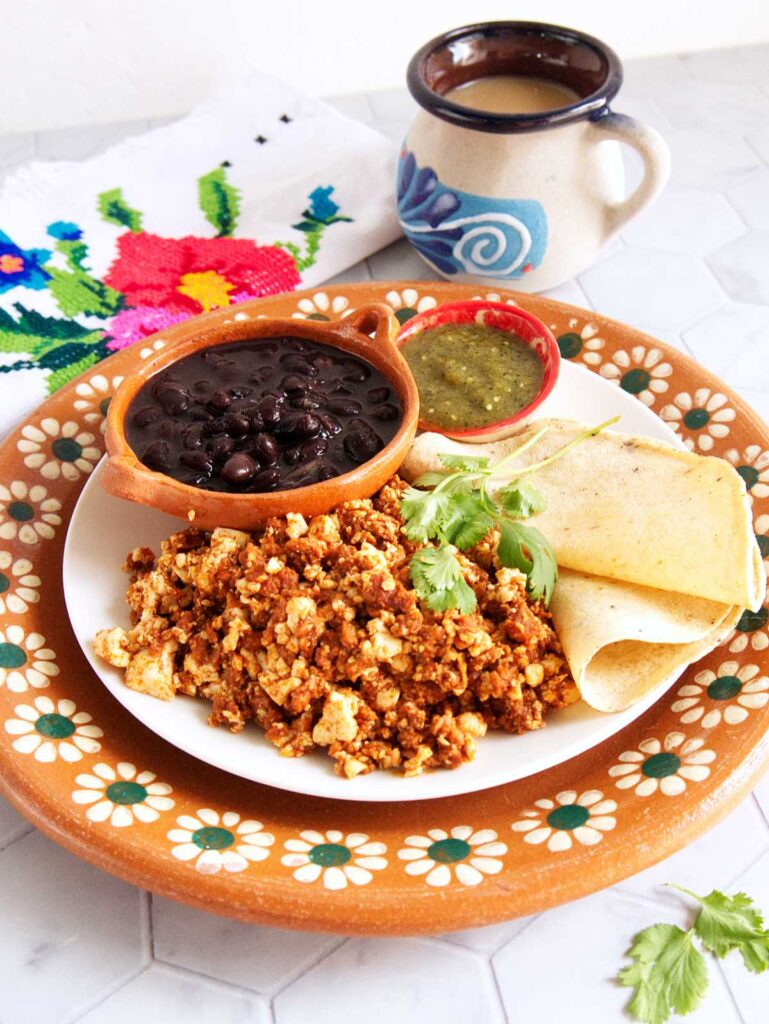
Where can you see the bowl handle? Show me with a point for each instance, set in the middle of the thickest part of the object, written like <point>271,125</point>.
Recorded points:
<point>374,319</point>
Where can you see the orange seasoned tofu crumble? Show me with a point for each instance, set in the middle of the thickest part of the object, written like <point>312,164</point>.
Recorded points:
<point>312,629</point>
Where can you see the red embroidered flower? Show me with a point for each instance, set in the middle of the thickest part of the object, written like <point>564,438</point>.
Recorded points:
<point>193,275</point>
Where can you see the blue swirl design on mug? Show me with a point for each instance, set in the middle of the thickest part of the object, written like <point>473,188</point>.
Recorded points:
<point>462,233</point>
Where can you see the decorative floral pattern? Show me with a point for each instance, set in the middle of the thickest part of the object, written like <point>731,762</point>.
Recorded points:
<point>750,632</point>
<point>27,513</point>
<point>753,466</point>
<point>641,372</point>
<point>335,858</point>
<point>49,731</point>
<point>665,766</point>
<point>700,419</point>
<point>93,398</point>
<point>491,297</point>
<point>320,307</point>
<point>215,843</point>
<point>585,343</point>
<point>463,854</point>
<point>408,303</point>
<point>123,795</point>
<point>24,660</point>
<point>761,527</point>
<point>58,449</point>
<point>18,584</point>
<point>729,694</point>
<point>558,822</point>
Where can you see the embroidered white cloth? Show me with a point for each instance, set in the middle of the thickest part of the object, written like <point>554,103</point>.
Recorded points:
<point>260,190</point>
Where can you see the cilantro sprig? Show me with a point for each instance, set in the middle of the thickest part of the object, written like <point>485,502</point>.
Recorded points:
<point>457,512</point>
<point>670,974</point>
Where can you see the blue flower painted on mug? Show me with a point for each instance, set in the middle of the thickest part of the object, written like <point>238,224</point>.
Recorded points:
<point>461,233</point>
<point>21,266</point>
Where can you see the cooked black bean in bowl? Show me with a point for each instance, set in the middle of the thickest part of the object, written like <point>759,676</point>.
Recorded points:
<point>262,415</point>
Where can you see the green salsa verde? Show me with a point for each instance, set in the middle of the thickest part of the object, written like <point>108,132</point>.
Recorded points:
<point>471,375</point>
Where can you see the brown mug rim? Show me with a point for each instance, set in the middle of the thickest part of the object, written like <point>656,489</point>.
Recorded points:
<point>592,107</point>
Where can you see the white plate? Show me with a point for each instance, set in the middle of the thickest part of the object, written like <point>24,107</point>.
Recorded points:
<point>103,529</point>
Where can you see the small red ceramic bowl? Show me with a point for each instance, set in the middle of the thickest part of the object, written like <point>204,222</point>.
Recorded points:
<point>503,317</point>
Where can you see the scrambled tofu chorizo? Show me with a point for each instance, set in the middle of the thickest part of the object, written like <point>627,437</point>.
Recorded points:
<point>313,630</point>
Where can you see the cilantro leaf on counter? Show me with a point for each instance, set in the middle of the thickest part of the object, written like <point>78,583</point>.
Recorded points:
<point>670,974</point>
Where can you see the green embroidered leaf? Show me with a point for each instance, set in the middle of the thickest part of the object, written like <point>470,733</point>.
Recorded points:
<point>305,225</point>
<point>78,292</point>
<point>10,341</point>
<point>65,374</point>
<point>32,322</point>
<point>116,210</point>
<point>219,201</point>
<point>61,356</point>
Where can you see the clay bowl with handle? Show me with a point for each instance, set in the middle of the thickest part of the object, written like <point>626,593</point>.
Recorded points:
<point>368,333</point>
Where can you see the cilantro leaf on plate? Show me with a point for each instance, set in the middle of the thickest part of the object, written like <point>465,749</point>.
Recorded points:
<point>521,499</point>
<point>468,522</point>
<point>466,463</point>
<point>669,974</point>
<point>524,548</point>
<point>438,580</point>
<point>423,512</point>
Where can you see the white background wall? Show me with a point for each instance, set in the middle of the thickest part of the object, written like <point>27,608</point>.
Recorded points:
<point>68,62</point>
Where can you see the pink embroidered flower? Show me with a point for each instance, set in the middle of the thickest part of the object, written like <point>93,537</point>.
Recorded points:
<point>132,325</point>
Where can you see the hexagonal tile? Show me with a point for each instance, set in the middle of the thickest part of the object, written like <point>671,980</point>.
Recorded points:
<point>750,991</point>
<point>759,140</point>
<point>716,859</point>
<point>708,159</point>
<point>761,793</point>
<point>492,937</point>
<point>645,74</point>
<point>69,931</point>
<point>716,106</point>
<point>262,959</point>
<point>12,825</point>
<point>734,64</point>
<point>733,342</point>
<point>574,953</point>
<point>174,997</point>
<point>400,262</point>
<point>742,267</point>
<point>685,220</point>
<point>378,980</point>
<point>667,291</point>
<point>751,198</point>
<point>570,292</point>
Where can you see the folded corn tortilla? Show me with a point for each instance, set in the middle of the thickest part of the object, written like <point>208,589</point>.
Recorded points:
<point>655,548</point>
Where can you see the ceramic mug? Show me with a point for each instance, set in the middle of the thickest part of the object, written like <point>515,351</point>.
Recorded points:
<point>523,200</point>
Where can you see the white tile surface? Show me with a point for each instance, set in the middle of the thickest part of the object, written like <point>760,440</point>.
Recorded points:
<point>685,220</point>
<point>379,981</point>
<point>165,996</point>
<point>562,967</point>
<point>669,291</point>
<point>260,959</point>
<point>69,933</point>
<point>80,143</point>
<point>742,267</point>
<point>76,943</point>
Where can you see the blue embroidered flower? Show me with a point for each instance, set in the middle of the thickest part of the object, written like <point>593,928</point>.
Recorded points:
<point>322,207</point>
<point>65,231</point>
<point>21,266</point>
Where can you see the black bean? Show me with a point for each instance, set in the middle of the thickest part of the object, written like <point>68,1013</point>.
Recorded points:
<point>265,480</point>
<point>238,469</point>
<point>198,412</point>
<point>386,412</point>
<point>338,387</point>
<point>265,448</point>
<point>261,374</point>
<point>360,446</point>
<point>329,424</point>
<point>165,429</point>
<point>202,387</point>
<point>146,417</point>
<point>326,471</point>
<point>378,395</point>
<point>197,461</point>
<point>192,436</point>
<point>357,374</point>
<point>236,424</point>
<point>297,428</point>
<point>241,391</point>
<point>174,399</point>
<point>157,456</point>
<point>219,401</point>
<point>269,408</point>
<point>159,385</point>
<point>220,447</point>
<point>312,449</point>
<point>298,364</point>
<point>294,382</point>
<point>344,406</point>
<point>310,401</point>
<point>291,456</point>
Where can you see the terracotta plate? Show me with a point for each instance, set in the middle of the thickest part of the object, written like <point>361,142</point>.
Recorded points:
<point>79,766</point>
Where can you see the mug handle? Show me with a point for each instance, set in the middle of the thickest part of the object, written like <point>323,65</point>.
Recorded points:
<point>655,154</point>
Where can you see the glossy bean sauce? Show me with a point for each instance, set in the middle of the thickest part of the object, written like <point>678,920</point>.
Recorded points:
<point>262,415</point>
